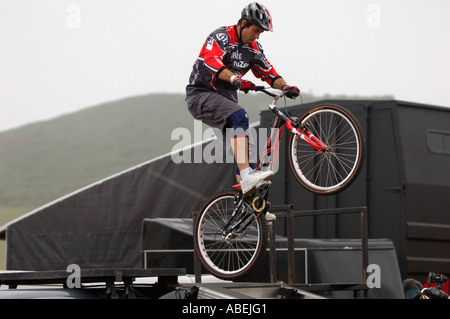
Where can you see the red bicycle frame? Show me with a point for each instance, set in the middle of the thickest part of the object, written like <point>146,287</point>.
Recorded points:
<point>273,140</point>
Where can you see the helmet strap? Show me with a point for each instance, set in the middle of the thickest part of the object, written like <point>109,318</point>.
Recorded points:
<point>241,27</point>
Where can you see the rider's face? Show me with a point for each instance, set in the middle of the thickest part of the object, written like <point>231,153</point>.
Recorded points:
<point>251,33</point>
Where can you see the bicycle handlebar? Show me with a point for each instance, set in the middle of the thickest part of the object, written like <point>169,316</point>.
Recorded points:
<point>264,90</point>
<point>272,106</point>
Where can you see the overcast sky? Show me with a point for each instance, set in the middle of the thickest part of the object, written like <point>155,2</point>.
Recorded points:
<point>59,56</point>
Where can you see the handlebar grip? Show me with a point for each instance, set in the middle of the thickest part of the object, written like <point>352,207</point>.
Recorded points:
<point>264,89</point>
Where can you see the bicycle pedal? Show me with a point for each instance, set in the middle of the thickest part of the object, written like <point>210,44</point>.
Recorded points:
<point>263,184</point>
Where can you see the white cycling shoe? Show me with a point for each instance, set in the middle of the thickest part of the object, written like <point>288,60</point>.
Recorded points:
<point>270,217</point>
<point>253,180</point>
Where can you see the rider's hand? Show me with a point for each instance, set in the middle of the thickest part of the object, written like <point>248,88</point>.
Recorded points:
<point>291,91</point>
<point>243,85</point>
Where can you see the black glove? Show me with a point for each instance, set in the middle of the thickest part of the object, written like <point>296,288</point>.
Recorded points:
<point>434,293</point>
<point>291,91</point>
<point>244,85</point>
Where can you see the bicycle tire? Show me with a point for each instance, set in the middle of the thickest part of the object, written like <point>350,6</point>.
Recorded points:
<point>331,172</point>
<point>228,260</point>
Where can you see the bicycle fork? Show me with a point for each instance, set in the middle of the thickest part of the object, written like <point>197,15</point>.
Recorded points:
<point>242,217</point>
<point>307,136</point>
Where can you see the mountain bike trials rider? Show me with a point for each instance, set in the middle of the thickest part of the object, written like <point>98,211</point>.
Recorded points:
<point>211,95</point>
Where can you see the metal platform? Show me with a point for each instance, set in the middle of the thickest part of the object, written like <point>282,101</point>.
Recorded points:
<point>166,278</point>
<point>260,290</point>
<point>236,290</point>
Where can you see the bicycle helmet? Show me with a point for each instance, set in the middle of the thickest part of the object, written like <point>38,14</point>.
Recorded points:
<point>258,14</point>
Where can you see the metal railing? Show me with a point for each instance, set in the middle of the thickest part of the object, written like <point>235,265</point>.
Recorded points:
<point>287,212</point>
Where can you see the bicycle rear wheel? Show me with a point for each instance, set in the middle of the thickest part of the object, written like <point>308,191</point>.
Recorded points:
<point>229,253</point>
<point>332,171</point>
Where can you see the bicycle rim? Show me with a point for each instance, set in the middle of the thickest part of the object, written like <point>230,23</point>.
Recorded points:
<point>332,171</point>
<point>229,257</point>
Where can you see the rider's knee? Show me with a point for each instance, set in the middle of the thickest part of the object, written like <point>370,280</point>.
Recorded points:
<point>239,121</point>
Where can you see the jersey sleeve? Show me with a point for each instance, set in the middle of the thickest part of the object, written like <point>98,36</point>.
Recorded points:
<point>213,52</point>
<point>262,68</point>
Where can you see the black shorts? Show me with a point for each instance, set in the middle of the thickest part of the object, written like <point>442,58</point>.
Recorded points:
<point>211,108</point>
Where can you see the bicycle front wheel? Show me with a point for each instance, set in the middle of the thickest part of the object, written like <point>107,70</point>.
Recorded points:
<point>229,249</point>
<point>335,169</point>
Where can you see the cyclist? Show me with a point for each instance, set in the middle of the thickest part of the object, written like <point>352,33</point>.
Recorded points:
<point>211,95</point>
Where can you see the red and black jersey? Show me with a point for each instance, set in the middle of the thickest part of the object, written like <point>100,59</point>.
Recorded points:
<point>221,50</point>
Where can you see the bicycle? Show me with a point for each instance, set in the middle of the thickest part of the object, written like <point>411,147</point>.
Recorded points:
<point>326,152</point>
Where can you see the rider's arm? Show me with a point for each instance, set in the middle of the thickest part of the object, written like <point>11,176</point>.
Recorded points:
<point>214,65</point>
<point>213,51</point>
<point>226,75</point>
<point>262,68</point>
<point>279,83</point>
